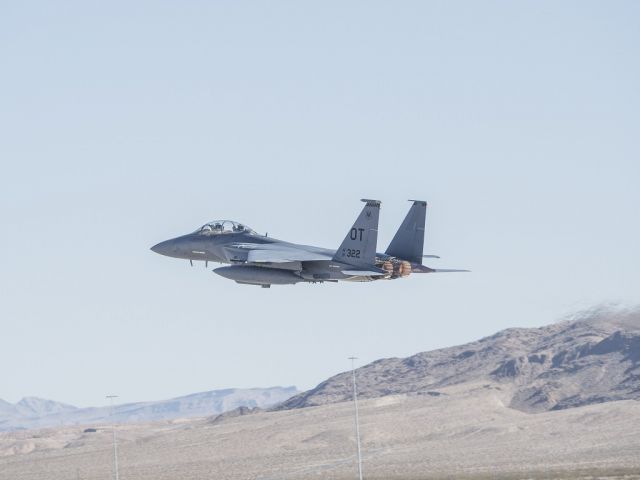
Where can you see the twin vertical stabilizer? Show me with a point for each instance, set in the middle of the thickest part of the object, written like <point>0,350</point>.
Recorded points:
<point>408,242</point>
<point>359,246</point>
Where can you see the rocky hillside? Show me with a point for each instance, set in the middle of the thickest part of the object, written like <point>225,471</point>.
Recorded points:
<point>31,412</point>
<point>590,359</point>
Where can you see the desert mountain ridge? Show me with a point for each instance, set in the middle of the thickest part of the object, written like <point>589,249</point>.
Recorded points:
<point>592,357</point>
<point>523,403</point>
<point>404,437</point>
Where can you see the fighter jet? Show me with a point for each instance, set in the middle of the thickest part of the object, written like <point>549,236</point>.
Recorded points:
<point>255,259</point>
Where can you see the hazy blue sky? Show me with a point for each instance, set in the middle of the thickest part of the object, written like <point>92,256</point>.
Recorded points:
<point>126,123</point>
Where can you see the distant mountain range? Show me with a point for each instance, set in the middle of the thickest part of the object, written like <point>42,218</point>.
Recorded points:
<point>33,412</point>
<point>592,358</point>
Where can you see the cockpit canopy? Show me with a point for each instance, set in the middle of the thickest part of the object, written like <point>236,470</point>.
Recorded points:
<point>221,227</point>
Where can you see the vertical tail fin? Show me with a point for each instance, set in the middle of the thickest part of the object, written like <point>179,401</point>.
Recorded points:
<point>408,243</point>
<point>359,246</point>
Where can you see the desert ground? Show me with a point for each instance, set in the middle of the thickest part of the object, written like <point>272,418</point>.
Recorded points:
<point>458,432</point>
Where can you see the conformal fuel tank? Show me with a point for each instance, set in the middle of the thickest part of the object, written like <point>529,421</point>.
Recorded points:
<point>258,275</point>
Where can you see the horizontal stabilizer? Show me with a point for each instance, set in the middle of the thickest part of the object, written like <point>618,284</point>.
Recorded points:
<point>448,270</point>
<point>419,268</point>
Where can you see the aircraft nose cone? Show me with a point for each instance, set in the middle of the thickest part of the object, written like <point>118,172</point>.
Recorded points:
<point>164,248</point>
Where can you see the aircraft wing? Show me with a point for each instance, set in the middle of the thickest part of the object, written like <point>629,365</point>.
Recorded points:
<point>285,255</point>
<point>274,253</point>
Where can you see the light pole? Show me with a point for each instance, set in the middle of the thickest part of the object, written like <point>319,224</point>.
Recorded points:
<point>115,442</point>
<point>355,404</point>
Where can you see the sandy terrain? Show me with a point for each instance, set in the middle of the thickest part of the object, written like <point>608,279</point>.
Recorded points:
<point>467,432</point>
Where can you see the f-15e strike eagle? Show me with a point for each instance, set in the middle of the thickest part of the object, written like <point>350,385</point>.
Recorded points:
<point>261,260</point>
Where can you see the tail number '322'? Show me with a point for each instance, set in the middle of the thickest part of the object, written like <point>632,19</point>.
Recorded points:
<point>351,253</point>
